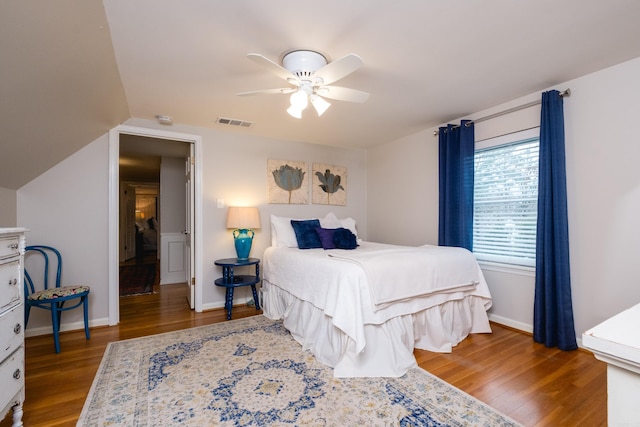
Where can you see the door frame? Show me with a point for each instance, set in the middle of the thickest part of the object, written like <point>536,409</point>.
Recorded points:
<point>114,215</point>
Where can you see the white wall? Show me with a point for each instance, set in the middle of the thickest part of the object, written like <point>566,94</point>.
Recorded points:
<point>403,191</point>
<point>603,184</point>
<point>8,215</point>
<point>67,206</point>
<point>235,170</point>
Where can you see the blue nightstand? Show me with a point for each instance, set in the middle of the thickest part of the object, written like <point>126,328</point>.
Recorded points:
<point>230,281</point>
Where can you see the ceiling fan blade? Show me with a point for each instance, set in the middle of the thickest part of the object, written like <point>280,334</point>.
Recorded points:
<point>267,91</point>
<point>339,68</point>
<point>342,94</point>
<point>276,69</point>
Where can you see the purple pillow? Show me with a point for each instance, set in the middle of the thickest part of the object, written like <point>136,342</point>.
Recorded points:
<point>326,237</point>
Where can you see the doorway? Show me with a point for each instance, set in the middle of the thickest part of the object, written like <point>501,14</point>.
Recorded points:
<point>139,266</point>
<point>170,147</point>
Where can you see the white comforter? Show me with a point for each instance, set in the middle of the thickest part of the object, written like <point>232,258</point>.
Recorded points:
<point>398,273</point>
<point>342,290</point>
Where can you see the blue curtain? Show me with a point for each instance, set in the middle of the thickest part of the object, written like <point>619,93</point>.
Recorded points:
<point>456,148</point>
<point>553,313</point>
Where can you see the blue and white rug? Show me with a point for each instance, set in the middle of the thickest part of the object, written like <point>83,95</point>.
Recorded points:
<point>250,372</point>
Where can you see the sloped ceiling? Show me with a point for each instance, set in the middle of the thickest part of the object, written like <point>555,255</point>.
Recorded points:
<point>59,84</point>
<point>71,70</point>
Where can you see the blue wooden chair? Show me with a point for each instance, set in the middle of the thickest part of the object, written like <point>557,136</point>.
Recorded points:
<point>52,296</point>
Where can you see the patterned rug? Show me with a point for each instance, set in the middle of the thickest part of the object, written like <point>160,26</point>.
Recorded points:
<point>250,372</point>
<point>137,279</point>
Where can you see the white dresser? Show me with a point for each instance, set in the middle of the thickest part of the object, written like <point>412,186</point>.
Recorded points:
<point>12,244</point>
<point>616,341</point>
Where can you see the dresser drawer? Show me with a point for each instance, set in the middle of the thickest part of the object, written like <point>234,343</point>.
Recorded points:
<point>9,246</point>
<point>12,377</point>
<point>10,283</point>
<point>11,330</point>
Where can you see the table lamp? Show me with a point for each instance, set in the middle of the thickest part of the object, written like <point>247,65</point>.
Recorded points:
<point>243,220</point>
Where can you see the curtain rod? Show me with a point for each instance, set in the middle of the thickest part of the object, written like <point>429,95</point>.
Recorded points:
<point>566,92</point>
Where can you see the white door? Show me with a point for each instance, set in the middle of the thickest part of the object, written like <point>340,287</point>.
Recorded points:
<point>189,235</point>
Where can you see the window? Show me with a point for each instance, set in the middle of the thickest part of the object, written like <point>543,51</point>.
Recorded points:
<point>506,198</point>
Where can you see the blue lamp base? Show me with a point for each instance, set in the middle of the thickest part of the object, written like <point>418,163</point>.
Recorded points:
<point>243,238</point>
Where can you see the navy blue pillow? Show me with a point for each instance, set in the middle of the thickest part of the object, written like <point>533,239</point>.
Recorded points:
<point>326,237</point>
<point>306,233</point>
<point>343,238</point>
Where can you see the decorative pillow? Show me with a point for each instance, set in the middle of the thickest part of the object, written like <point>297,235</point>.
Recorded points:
<point>343,238</point>
<point>306,233</point>
<point>330,221</point>
<point>282,234</point>
<point>349,224</point>
<point>326,237</point>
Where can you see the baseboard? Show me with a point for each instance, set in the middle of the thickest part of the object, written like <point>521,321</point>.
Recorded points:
<point>212,306</point>
<point>220,304</point>
<point>522,326</point>
<point>46,330</point>
<point>511,323</point>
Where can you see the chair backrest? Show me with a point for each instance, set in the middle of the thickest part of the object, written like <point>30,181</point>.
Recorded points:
<point>49,257</point>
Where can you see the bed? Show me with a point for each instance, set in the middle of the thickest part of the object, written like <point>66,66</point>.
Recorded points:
<point>363,311</point>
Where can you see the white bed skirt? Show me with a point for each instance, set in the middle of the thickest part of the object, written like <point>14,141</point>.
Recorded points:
<point>389,346</point>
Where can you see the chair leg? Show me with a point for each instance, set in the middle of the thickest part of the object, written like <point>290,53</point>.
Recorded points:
<point>55,320</point>
<point>60,307</point>
<point>85,304</point>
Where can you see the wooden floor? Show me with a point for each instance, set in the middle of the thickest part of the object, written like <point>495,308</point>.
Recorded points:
<point>528,382</point>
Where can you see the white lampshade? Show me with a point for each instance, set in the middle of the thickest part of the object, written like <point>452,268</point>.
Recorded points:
<point>240,217</point>
<point>299,99</point>
<point>319,104</point>
<point>294,112</point>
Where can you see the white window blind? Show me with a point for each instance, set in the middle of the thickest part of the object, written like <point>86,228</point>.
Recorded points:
<point>505,200</point>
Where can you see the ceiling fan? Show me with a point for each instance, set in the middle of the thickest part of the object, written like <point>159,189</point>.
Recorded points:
<point>310,76</point>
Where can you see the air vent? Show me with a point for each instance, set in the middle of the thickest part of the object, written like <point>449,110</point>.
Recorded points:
<point>233,122</point>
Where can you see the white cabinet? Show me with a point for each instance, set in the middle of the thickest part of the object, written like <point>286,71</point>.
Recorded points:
<point>12,244</point>
<point>616,341</point>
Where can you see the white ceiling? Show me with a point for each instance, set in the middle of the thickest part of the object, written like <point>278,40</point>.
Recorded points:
<point>72,70</point>
<point>426,62</point>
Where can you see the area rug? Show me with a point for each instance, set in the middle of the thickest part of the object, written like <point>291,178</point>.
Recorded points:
<point>137,279</point>
<point>250,372</point>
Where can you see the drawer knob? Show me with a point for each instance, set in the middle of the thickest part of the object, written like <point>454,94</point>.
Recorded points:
<point>13,281</point>
<point>16,374</point>
<point>13,246</point>
<point>17,328</point>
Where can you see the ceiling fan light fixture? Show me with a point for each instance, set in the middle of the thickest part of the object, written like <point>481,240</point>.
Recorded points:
<point>299,99</point>
<point>309,72</point>
<point>303,63</point>
<point>319,104</point>
<point>294,112</point>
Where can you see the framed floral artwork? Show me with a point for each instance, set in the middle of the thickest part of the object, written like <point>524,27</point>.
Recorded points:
<point>329,184</point>
<point>287,182</point>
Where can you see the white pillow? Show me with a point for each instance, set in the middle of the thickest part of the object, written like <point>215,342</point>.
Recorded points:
<point>330,221</point>
<point>350,224</point>
<point>282,234</point>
